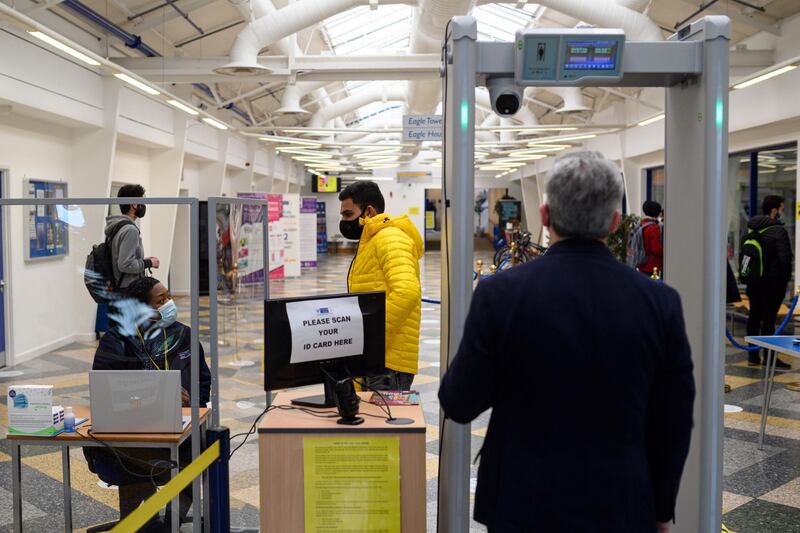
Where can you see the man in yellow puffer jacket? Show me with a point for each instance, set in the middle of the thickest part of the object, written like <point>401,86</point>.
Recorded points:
<point>387,259</point>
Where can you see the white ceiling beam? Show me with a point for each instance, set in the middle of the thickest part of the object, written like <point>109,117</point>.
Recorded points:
<point>314,68</point>
<point>157,18</point>
<point>755,20</point>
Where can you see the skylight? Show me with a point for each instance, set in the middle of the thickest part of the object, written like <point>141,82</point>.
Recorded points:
<point>499,22</point>
<point>362,30</point>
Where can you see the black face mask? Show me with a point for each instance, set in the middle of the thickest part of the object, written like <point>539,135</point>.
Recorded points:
<point>351,229</point>
<point>140,211</point>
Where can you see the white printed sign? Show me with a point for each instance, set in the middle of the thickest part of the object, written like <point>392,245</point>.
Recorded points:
<point>325,329</point>
<point>291,235</point>
<point>422,127</point>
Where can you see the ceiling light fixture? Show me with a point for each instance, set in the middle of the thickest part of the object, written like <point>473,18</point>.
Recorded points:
<point>534,129</point>
<point>651,120</point>
<point>373,178</point>
<point>303,151</point>
<point>564,138</point>
<point>290,140</point>
<point>764,77</point>
<point>136,83</point>
<point>526,157</point>
<point>183,107</point>
<point>211,122</point>
<point>305,159</point>
<point>64,48</point>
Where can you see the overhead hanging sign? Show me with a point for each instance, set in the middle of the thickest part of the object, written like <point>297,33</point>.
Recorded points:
<point>325,329</point>
<point>422,128</point>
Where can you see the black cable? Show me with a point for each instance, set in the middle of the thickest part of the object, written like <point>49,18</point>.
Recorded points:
<point>318,414</point>
<point>388,411</point>
<point>446,252</point>
<point>166,464</point>
<point>252,429</point>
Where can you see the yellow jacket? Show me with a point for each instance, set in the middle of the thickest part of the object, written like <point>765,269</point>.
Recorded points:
<point>387,260</point>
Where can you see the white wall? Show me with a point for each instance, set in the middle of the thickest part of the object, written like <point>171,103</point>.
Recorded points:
<point>46,309</point>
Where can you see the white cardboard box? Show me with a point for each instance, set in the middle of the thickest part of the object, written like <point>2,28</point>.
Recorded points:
<point>30,410</point>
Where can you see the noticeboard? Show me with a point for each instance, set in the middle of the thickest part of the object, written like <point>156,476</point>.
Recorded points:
<point>46,229</point>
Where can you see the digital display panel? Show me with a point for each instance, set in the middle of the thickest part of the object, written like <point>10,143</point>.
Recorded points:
<point>590,55</point>
<point>325,184</point>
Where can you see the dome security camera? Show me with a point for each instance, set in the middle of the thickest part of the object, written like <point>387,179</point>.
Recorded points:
<point>505,95</point>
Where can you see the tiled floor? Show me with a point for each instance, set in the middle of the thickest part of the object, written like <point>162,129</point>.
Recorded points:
<point>762,488</point>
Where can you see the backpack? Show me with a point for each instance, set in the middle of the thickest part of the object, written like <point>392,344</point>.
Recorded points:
<point>751,257</point>
<point>98,276</point>
<point>637,255</point>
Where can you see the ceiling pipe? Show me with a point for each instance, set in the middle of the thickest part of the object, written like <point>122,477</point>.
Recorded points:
<point>355,101</point>
<point>429,22</point>
<point>572,97</point>
<point>293,93</point>
<point>607,14</point>
<point>279,24</point>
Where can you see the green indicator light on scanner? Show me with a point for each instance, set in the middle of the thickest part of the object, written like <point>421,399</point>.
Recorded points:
<point>464,115</point>
<point>720,117</point>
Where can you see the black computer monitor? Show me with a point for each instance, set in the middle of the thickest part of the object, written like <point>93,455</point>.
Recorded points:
<point>281,372</point>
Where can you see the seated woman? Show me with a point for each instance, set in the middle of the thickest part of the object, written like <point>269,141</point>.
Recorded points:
<point>146,336</point>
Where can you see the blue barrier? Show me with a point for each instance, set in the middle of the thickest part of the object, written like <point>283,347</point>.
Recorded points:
<point>777,331</point>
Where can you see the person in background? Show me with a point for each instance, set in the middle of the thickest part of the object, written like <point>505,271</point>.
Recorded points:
<point>652,238</point>
<point>387,259</point>
<point>768,293</point>
<point>147,337</point>
<point>127,251</point>
<point>608,455</point>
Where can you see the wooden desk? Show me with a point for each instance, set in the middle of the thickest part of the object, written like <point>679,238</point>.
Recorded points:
<point>80,438</point>
<point>280,457</point>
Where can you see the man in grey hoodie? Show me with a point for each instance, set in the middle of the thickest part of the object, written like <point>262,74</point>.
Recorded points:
<point>127,252</point>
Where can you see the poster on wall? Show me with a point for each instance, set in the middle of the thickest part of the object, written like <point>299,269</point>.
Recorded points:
<point>254,238</point>
<point>290,219</point>
<point>276,251</point>
<point>47,234</point>
<point>322,229</point>
<point>308,232</point>
<point>250,245</point>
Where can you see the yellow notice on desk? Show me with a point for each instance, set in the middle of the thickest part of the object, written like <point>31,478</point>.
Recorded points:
<point>352,484</point>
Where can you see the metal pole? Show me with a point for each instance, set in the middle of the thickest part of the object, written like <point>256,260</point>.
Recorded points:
<point>212,309</point>
<point>265,244</point>
<point>67,486</point>
<point>696,155</point>
<point>457,253</point>
<point>194,224</point>
<point>716,184</point>
<point>16,483</point>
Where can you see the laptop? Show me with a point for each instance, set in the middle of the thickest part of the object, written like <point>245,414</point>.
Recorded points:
<point>136,401</point>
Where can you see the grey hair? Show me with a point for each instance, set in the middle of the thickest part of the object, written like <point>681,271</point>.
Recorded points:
<point>584,190</point>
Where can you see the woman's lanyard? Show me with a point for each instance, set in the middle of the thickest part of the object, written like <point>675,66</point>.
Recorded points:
<point>144,345</point>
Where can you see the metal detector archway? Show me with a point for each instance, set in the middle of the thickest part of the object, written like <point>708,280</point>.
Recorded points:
<point>692,65</point>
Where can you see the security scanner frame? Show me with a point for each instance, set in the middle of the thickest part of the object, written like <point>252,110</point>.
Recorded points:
<point>692,66</point>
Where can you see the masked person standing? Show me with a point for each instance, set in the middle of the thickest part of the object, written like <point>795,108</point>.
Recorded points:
<point>147,337</point>
<point>387,259</point>
<point>127,251</point>
<point>767,293</point>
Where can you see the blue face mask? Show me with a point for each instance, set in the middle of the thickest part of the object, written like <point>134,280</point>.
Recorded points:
<point>780,218</point>
<point>169,314</point>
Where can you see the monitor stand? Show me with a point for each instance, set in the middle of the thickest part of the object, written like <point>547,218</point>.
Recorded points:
<point>320,401</point>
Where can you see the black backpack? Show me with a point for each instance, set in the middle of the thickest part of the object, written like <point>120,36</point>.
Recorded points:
<point>98,276</point>
<point>751,257</point>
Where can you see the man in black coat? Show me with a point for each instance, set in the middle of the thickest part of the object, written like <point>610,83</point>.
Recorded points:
<point>147,336</point>
<point>586,366</point>
<point>768,293</point>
